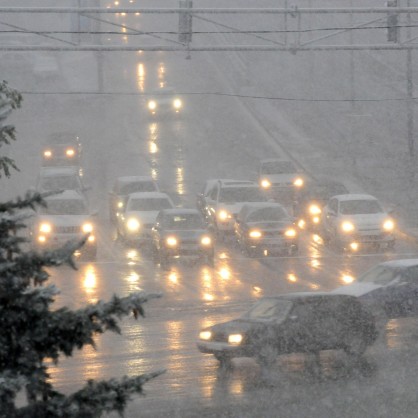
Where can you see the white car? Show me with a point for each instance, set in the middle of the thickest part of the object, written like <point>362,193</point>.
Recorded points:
<point>353,221</point>
<point>135,223</point>
<point>276,174</point>
<point>123,187</point>
<point>65,217</point>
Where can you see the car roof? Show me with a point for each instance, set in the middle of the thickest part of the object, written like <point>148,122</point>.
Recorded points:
<point>131,179</point>
<point>234,183</point>
<point>62,138</point>
<point>262,205</point>
<point>148,195</point>
<point>66,194</point>
<point>346,197</point>
<point>275,160</point>
<point>56,171</point>
<point>409,262</point>
<point>181,211</point>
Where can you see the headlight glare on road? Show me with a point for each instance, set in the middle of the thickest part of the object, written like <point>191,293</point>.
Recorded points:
<point>347,226</point>
<point>298,182</point>
<point>70,152</point>
<point>235,339</point>
<point>205,335</point>
<point>45,228</point>
<point>152,105</point>
<point>265,183</point>
<point>133,224</point>
<point>255,233</point>
<point>87,227</point>
<point>206,241</point>
<point>314,209</point>
<point>177,104</point>
<point>388,225</point>
<point>290,233</point>
<point>223,215</point>
<point>171,241</point>
<point>47,153</point>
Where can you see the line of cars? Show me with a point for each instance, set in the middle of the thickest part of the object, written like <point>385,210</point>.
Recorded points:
<point>67,214</point>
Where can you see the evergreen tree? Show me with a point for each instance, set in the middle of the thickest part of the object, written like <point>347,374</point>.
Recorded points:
<point>32,331</point>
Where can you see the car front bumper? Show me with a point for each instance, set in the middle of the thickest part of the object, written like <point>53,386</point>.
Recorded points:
<point>214,347</point>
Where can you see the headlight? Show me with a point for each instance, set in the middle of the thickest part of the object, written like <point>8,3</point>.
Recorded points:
<point>120,204</point>
<point>223,215</point>
<point>205,335</point>
<point>235,339</point>
<point>133,224</point>
<point>254,234</point>
<point>45,228</point>
<point>347,226</point>
<point>152,105</point>
<point>177,104</point>
<point>298,182</point>
<point>69,152</point>
<point>87,227</point>
<point>316,219</point>
<point>301,223</point>
<point>48,153</point>
<point>265,184</point>
<point>290,233</point>
<point>206,241</point>
<point>388,225</point>
<point>314,210</point>
<point>171,241</point>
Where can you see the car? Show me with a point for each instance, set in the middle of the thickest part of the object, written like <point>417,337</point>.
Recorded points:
<point>292,323</point>
<point>281,178</point>
<point>60,178</point>
<point>62,149</point>
<point>123,187</point>
<point>353,221</point>
<point>65,217</point>
<point>389,289</point>
<point>225,199</point>
<point>164,101</point>
<point>181,232</point>
<point>309,202</point>
<point>134,225</point>
<point>265,226</point>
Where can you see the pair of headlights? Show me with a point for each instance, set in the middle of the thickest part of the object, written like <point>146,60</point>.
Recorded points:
<point>177,104</point>
<point>172,241</point>
<point>347,226</point>
<point>47,228</point>
<point>297,182</point>
<point>255,233</point>
<point>69,152</point>
<point>233,339</point>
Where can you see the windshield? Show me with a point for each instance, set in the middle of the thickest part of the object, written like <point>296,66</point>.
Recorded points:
<point>241,194</point>
<point>379,275</point>
<point>267,215</point>
<point>65,207</point>
<point>149,204</point>
<point>183,222</point>
<point>360,207</point>
<point>141,186</point>
<point>60,183</point>
<point>278,167</point>
<point>267,309</point>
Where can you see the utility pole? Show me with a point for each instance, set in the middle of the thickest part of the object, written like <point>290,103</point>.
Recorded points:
<point>410,91</point>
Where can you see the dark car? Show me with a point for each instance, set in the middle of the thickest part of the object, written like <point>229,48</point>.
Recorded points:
<point>62,148</point>
<point>389,289</point>
<point>123,187</point>
<point>310,200</point>
<point>267,227</point>
<point>181,232</point>
<point>292,323</point>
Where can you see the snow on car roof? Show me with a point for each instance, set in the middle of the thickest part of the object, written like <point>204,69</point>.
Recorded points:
<point>66,194</point>
<point>58,171</point>
<point>274,160</point>
<point>343,197</point>
<point>234,183</point>
<point>129,179</point>
<point>148,195</point>
<point>181,211</point>
<point>408,262</point>
<point>260,205</point>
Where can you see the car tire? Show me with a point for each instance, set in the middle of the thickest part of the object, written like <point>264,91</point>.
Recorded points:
<point>225,361</point>
<point>267,356</point>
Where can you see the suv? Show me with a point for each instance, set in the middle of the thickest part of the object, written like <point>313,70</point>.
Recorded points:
<point>292,323</point>
<point>225,199</point>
